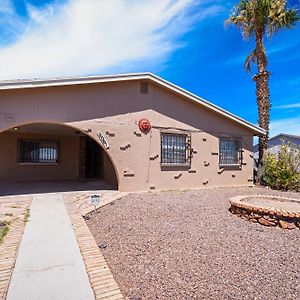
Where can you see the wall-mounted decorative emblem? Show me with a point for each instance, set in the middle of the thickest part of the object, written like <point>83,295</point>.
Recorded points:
<point>102,140</point>
<point>144,125</point>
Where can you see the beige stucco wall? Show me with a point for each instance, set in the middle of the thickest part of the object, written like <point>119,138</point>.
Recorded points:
<point>114,109</point>
<point>11,170</point>
<point>108,173</point>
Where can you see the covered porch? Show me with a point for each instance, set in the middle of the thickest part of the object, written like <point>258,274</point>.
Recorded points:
<point>44,158</point>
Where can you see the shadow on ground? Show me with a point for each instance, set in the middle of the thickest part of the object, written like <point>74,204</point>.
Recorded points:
<point>24,188</point>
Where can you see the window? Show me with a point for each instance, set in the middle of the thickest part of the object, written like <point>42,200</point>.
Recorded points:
<point>38,151</point>
<point>230,151</point>
<point>175,149</point>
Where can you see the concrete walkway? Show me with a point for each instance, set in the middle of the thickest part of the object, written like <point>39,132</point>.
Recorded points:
<point>49,264</point>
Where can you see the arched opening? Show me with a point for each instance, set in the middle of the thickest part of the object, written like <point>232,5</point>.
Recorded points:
<point>40,157</point>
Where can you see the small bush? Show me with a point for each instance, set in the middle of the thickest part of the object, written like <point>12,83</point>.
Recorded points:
<point>282,170</point>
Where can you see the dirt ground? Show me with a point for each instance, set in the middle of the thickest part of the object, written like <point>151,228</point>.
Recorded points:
<point>12,208</point>
<point>187,245</point>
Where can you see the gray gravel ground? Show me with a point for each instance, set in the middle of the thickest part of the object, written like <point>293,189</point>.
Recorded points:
<point>187,245</point>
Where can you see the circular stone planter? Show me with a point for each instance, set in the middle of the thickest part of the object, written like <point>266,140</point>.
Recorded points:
<point>267,210</point>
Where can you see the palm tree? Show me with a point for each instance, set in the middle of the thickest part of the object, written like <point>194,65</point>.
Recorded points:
<point>257,19</point>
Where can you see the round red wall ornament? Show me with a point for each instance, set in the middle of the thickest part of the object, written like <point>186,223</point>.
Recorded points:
<point>144,125</point>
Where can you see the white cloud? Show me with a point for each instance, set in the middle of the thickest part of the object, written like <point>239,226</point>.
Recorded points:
<point>6,7</point>
<point>286,125</point>
<point>10,26</point>
<point>288,106</point>
<point>95,36</point>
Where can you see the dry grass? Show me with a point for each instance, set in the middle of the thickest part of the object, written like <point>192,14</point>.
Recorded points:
<point>4,229</point>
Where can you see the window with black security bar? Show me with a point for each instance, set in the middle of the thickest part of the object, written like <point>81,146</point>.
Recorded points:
<point>230,152</point>
<point>175,149</point>
<point>38,151</point>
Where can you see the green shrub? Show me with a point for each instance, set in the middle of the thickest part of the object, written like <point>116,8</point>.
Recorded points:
<point>282,170</point>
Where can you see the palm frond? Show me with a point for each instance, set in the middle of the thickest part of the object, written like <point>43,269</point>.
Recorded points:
<point>255,18</point>
<point>251,58</point>
<point>264,15</point>
<point>281,17</point>
<point>242,18</point>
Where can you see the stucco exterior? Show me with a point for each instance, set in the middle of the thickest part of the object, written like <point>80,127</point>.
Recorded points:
<point>114,109</point>
<point>66,169</point>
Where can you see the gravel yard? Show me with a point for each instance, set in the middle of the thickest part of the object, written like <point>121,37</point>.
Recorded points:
<point>187,245</point>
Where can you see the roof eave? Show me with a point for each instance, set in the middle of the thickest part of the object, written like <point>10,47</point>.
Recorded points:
<point>198,100</point>
<point>66,81</point>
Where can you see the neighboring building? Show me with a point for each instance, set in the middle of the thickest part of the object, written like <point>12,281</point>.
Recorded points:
<point>275,142</point>
<point>92,127</point>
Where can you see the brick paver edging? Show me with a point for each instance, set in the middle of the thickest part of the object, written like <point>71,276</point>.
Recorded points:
<point>268,216</point>
<point>8,254</point>
<point>100,276</point>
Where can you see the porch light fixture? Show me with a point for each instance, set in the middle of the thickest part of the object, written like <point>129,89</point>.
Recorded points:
<point>95,200</point>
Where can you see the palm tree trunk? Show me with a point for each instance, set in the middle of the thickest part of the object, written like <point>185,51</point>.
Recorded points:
<point>260,49</point>
<point>263,104</point>
<point>262,97</point>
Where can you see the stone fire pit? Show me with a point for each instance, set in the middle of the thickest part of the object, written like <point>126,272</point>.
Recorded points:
<point>268,210</point>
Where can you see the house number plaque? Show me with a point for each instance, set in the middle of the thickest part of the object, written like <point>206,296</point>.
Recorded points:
<point>102,140</point>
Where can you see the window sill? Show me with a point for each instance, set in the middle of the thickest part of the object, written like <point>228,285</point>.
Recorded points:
<point>175,165</point>
<point>182,167</point>
<point>232,166</point>
<point>38,164</point>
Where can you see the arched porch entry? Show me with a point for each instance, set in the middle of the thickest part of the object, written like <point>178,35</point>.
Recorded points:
<point>59,153</point>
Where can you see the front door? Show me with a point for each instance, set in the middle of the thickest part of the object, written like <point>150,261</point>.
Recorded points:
<point>92,159</point>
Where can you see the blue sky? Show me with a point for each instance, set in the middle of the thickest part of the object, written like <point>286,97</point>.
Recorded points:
<point>183,41</point>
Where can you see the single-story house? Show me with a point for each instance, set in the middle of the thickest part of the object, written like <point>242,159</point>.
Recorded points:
<point>134,131</point>
<point>276,141</point>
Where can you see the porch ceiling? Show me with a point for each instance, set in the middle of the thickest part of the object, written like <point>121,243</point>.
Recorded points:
<point>43,128</point>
